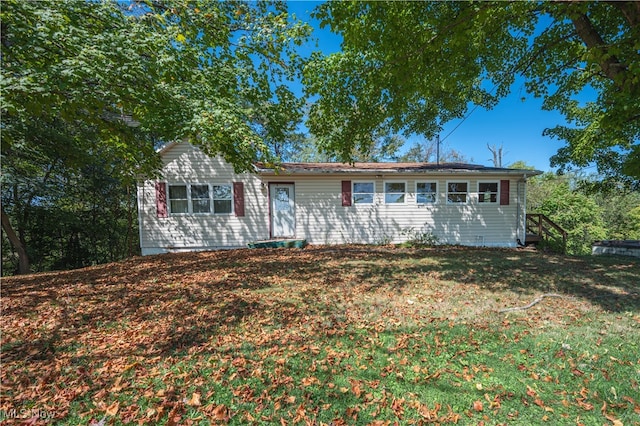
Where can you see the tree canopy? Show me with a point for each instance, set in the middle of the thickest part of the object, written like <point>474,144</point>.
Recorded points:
<point>100,84</point>
<point>409,67</point>
<point>91,88</point>
<point>214,73</point>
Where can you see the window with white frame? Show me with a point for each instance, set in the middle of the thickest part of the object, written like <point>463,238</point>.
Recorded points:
<point>426,192</point>
<point>457,192</point>
<point>363,192</point>
<point>200,198</point>
<point>395,192</point>
<point>222,199</point>
<point>178,199</point>
<point>487,192</point>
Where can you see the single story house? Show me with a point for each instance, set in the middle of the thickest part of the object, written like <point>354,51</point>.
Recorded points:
<point>202,204</point>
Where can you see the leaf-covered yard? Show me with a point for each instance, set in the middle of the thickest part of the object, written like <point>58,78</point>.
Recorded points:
<point>326,335</point>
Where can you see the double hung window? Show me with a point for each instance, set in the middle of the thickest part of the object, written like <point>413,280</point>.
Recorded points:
<point>222,199</point>
<point>457,192</point>
<point>200,198</point>
<point>363,192</point>
<point>487,192</point>
<point>178,198</point>
<point>395,192</point>
<point>426,192</point>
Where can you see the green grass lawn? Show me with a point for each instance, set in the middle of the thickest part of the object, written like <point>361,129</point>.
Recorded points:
<point>326,335</point>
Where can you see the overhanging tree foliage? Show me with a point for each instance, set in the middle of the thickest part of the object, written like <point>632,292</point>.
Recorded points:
<point>87,82</point>
<point>410,67</point>
<point>201,70</point>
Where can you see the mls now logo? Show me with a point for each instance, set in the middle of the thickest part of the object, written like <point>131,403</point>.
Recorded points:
<point>26,413</point>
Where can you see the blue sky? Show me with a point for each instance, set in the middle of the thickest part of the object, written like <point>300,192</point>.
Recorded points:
<point>516,123</point>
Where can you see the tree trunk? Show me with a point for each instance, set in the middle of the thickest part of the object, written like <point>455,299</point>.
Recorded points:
<point>610,64</point>
<point>630,10</point>
<point>23,259</point>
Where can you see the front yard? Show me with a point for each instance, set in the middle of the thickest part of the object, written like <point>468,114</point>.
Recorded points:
<point>326,335</point>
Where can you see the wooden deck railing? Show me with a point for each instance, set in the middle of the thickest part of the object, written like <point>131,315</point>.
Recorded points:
<point>540,226</point>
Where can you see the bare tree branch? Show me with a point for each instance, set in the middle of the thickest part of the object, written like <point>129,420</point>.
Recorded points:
<point>535,301</point>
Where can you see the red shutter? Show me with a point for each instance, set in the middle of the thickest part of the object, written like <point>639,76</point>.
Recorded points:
<point>238,198</point>
<point>504,192</point>
<point>161,199</point>
<point>346,193</point>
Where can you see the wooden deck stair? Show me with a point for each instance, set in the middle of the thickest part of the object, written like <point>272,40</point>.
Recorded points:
<point>541,228</point>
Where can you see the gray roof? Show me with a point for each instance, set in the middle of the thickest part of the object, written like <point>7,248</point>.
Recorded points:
<point>388,168</point>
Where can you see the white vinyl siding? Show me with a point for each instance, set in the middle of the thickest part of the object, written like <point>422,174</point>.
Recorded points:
<point>185,164</point>
<point>320,216</point>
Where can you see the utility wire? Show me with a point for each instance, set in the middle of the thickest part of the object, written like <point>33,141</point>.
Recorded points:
<point>464,118</point>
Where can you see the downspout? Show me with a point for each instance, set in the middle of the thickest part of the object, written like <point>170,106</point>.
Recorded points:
<point>141,209</point>
<point>524,208</point>
<point>521,234</point>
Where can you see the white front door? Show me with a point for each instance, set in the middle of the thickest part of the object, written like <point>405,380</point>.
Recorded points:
<point>283,215</point>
